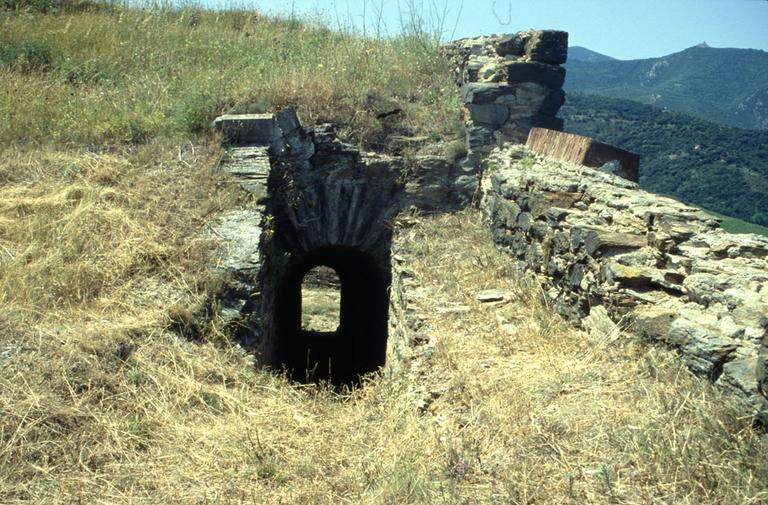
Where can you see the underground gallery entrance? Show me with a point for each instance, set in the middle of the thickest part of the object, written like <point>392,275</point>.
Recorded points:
<point>331,315</point>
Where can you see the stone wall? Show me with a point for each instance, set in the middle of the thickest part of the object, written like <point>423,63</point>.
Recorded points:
<point>509,84</point>
<point>662,269</point>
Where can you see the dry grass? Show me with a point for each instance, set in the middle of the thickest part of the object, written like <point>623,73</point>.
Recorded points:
<point>519,409</point>
<point>321,300</point>
<point>533,411</point>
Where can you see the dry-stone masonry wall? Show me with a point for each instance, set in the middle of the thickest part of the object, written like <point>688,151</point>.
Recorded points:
<point>509,84</point>
<point>655,266</point>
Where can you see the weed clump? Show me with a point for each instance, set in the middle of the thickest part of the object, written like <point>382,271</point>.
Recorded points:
<point>25,55</point>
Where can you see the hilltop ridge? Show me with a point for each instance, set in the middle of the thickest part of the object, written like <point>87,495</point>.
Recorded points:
<point>717,84</point>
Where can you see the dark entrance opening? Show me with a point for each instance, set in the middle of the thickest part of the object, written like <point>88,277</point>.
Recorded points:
<point>358,345</point>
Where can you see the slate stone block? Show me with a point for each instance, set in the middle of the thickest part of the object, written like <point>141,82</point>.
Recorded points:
<point>490,114</point>
<point>552,103</point>
<point>246,129</point>
<point>550,76</point>
<point>513,45</point>
<point>551,123</point>
<point>484,92</point>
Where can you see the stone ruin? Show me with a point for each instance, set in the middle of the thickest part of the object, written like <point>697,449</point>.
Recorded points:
<point>318,202</point>
<point>610,256</point>
<point>509,84</point>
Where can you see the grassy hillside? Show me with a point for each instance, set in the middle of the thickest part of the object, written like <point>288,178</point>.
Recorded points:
<point>718,167</point>
<point>734,225</point>
<point>107,185</point>
<point>127,77</point>
<point>724,85</point>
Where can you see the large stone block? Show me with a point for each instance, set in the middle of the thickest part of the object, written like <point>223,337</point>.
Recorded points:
<point>550,76</point>
<point>552,103</point>
<point>246,128</point>
<point>547,46</point>
<point>548,122</point>
<point>484,92</point>
<point>489,113</point>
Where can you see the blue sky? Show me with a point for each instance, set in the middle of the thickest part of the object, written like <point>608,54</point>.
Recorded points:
<point>620,28</point>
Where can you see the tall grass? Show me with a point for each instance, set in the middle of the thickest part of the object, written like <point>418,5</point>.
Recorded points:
<point>505,404</point>
<point>128,75</point>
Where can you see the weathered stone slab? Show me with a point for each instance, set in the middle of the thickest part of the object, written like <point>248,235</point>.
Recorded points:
<point>583,150</point>
<point>246,128</point>
<point>491,295</point>
<point>489,114</point>
<point>549,76</point>
<point>513,45</point>
<point>484,92</point>
<point>562,199</point>
<point>240,232</point>
<point>604,240</point>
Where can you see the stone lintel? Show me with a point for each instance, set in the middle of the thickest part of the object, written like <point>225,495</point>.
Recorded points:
<point>244,129</point>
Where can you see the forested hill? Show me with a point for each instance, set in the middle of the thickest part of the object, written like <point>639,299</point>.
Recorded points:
<point>724,85</point>
<point>719,167</point>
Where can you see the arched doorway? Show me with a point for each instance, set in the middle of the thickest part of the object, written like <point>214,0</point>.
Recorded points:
<point>358,345</point>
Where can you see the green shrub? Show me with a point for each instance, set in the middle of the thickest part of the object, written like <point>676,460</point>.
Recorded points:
<point>25,55</point>
<point>81,74</point>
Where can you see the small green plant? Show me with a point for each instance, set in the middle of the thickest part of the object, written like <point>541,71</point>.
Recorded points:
<point>604,477</point>
<point>527,162</point>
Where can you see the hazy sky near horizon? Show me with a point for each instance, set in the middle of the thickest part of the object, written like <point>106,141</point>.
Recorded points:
<point>620,28</point>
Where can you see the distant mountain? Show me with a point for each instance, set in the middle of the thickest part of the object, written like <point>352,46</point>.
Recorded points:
<point>578,53</point>
<point>718,167</point>
<point>725,85</point>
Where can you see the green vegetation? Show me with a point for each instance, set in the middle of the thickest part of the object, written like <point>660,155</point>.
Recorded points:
<point>129,76</point>
<point>715,166</point>
<point>724,85</point>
